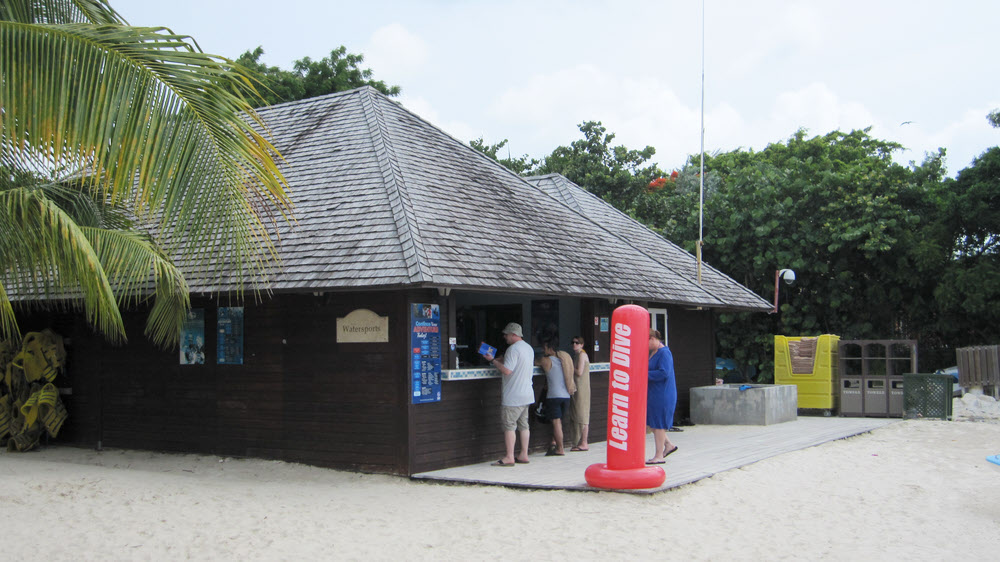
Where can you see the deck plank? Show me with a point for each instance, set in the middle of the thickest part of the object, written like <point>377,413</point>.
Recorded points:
<point>704,451</point>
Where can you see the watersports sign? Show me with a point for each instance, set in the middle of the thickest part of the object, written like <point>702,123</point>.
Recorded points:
<point>361,326</point>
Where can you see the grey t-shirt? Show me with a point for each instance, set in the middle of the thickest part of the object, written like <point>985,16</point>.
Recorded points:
<point>517,390</point>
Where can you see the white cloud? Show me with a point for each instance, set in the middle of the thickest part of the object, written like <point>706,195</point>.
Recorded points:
<point>965,138</point>
<point>426,111</point>
<point>395,53</point>
<point>568,93</point>
<point>640,111</point>
<point>815,107</point>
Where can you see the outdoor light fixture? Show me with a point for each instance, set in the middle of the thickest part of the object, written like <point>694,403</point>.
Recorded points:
<point>786,275</point>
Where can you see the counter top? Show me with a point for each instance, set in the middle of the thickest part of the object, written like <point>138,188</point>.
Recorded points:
<point>476,373</point>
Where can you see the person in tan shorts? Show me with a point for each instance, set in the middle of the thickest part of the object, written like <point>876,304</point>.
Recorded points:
<point>579,404</point>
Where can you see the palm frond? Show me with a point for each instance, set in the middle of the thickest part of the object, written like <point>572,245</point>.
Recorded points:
<point>8,322</point>
<point>46,256</point>
<point>59,11</point>
<point>134,264</point>
<point>157,124</point>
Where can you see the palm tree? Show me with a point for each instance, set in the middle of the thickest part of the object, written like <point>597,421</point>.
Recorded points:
<point>120,148</point>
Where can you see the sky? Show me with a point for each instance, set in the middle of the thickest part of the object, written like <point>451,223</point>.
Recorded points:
<point>920,73</point>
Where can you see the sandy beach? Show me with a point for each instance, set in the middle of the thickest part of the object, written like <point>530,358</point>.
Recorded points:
<point>913,490</point>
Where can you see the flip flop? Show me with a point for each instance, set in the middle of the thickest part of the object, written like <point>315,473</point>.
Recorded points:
<point>578,450</point>
<point>671,451</point>
<point>501,463</point>
<point>655,462</point>
<point>519,461</point>
<point>552,453</point>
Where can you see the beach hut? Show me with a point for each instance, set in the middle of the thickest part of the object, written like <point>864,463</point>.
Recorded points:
<point>409,249</point>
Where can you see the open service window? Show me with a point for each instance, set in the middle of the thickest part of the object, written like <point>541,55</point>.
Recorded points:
<point>475,324</point>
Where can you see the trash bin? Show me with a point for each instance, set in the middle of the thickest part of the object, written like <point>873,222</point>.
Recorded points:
<point>851,400</point>
<point>896,396</point>
<point>927,396</point>
<point>876,400</point>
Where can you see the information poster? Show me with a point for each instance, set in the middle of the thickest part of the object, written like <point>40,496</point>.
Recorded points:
<point>193,338</point>
<point>425,347</point>
<point>230,330</point>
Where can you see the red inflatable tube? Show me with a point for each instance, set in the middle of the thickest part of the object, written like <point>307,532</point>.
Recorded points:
<point>626,467</point>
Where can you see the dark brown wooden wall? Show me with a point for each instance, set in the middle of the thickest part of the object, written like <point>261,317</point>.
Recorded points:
<point>299,396</point>
<point>692,343</point>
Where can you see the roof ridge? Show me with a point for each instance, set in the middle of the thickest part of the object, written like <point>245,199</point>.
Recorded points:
<point>411,243</point>
<point>668,241</point>
<point>658,259</point>
<point>315,99</point>
<point>577,208</point>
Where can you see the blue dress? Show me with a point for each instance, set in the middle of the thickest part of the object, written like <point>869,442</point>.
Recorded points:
<point>661,394</point>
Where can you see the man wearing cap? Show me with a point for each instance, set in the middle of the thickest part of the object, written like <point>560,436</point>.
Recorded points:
<point>517,396</point>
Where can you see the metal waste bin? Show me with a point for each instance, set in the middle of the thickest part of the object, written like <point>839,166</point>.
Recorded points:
<point>876,400</point>
<point>881,365</point>
<point>896,396</point>
<point>851,401</point>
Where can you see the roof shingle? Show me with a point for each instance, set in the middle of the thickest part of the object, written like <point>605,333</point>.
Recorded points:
<point>385,199</point>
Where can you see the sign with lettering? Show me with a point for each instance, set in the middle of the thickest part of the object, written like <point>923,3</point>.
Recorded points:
<point>193,338</point>
<point>425,347</point>
<point>362,326</point>
<point>230,335</point>
<point>627,386</point>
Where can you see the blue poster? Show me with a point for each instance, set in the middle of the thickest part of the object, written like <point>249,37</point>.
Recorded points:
<point>425,347</point>
<point>193,338</point>
<point>230,332</point>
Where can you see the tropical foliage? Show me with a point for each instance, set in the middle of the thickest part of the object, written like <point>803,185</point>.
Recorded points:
<point>617,174</point>
<point>881,250</point>
<point>336,73</point>
<point>521,165</point>
<point>120,148</point>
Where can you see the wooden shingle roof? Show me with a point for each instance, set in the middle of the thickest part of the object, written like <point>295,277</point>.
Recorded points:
<point>384,199</point>
<point>649,242</point>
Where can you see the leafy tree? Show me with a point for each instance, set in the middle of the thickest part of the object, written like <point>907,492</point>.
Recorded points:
<point>336,73</point>
<point>969,290</point>
<point>100,121</point>
<point>522,165</point>
<point>994,118</point>
<point>617,174</point>
<point>862,233</point>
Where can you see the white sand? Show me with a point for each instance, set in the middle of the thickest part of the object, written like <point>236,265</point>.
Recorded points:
<point>915,490</point>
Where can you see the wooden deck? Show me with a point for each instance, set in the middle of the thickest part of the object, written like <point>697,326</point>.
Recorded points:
<point>704,450</point>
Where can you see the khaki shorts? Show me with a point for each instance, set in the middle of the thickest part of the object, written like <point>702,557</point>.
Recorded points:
<point>514,417</point>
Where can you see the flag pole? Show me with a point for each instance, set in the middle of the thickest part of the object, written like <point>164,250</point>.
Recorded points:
<point>701,175</point>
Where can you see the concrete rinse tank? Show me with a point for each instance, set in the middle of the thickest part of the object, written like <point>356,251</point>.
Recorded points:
<point>744,404</point>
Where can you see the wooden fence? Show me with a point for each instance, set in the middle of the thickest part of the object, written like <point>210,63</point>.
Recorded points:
<point>979,366</point>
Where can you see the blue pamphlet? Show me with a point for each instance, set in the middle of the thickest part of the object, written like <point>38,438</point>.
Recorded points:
<point>487,349</point>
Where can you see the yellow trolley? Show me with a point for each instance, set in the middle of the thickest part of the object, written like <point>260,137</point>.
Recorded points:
<point>811,364</point>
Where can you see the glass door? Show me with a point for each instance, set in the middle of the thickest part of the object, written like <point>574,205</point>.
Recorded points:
<point>658,321</point>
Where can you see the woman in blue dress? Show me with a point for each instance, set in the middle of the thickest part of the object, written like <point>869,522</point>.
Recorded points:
<point>661,396</point>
